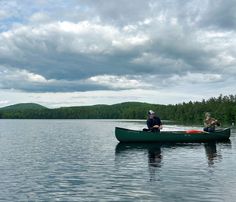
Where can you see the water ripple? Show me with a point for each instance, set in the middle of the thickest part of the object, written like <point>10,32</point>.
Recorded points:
<point>67,160</point>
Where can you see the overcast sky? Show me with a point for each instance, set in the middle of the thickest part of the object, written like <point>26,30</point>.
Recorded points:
<point>85,52</point>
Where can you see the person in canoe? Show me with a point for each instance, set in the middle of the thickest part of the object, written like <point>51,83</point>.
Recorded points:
<point>154,123</point>
<point>210,123</point>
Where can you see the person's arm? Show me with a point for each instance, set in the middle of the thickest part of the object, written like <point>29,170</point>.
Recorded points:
<point>214,122</point>
<point>207,122</point>
<point>158,123</point>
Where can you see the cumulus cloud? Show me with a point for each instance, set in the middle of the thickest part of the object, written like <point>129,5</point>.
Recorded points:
<point>119,82</point>
<point>110,45</point>
<point>12,78</point>
<point>67,50</point>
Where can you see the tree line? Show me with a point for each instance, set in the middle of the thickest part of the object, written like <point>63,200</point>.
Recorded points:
<point>222,107</point>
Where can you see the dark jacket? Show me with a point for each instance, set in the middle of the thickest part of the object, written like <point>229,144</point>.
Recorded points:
<point>152,122</point>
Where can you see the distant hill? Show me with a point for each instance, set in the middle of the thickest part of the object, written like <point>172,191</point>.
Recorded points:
<point>24,106</point>
<point>222,107</point>
<point>127,110</point>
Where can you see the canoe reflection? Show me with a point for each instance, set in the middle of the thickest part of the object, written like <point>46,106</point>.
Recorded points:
<point>154,162</point>
<point>153,151</point>
<point>154,156</point>
<point>212,153</point>
<point>128,152</point>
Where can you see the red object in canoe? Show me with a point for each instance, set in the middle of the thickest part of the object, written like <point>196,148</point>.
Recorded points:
<point>194,131</point>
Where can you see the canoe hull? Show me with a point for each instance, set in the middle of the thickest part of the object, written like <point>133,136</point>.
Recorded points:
<point>126,135</point>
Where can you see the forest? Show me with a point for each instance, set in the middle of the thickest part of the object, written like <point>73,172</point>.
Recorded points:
<point>222,107</point>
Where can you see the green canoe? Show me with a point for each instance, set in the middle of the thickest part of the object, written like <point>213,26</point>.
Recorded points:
<point>127,135</point>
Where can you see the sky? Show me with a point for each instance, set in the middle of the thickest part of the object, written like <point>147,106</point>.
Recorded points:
<point>86,52</point>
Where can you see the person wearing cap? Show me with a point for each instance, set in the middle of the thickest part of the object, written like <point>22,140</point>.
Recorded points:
<point>154,123</point>
<point>210,123</point>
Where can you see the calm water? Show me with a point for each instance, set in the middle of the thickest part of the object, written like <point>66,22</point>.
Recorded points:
<point>80,160</point>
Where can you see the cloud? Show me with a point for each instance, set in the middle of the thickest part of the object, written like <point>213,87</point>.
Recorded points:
<point>67,53</point>
<point>219,14</point>
<point>40,18</point>
<point>3,14</point>
<point>190,78</point>
<point>65,50</point>
<point>119,82</point>
<point>80,46</point>
<point>4,102</point>
<point>31,82</point>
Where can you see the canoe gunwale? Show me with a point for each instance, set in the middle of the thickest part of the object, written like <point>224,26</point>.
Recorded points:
<point>129,135</point>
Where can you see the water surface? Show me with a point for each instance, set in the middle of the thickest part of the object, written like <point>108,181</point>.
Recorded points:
<point>80,160</point>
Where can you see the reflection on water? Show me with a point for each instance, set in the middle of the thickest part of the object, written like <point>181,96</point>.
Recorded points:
<point>155,157</point>
<point>68,160</point>
<point>211,151</point>
<point>154,161</point>
<point>153,151</point>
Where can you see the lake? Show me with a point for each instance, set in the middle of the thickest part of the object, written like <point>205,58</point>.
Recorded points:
<point>80,160</point>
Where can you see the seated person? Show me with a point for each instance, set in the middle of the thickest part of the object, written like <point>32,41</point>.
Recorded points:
<point>210,123</point>
<point>154,123</point>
